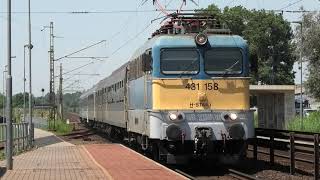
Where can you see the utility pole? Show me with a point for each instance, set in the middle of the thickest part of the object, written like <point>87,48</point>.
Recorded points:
<point>60,94</point>
<point>4,92</point>
<point>301,71</point>
<point>24,83</point>
<point>30,46</point>
<point>51,89</point>
<point>9,138</point>
<point>301,75</point>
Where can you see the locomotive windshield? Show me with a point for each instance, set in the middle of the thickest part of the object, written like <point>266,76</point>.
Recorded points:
<point>179,61</point>
<point>223,61</point>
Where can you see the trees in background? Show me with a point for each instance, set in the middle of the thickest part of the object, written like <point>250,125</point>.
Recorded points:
<point>269,38</point>
<point>70,101</point>
<point>311,50</point>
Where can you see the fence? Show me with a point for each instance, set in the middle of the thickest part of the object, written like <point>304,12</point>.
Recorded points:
<point>290,141</point>
<point>20,136</point>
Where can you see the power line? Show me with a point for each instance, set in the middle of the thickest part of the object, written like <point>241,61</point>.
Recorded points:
<point>291,4</point>
<point>131,39</point>
<point>77,68</point>
<point>75,52</point>
<point>230,2</point>
<point>134,11</point>
<point>89,12</point>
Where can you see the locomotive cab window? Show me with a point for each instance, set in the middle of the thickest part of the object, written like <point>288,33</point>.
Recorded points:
<point>177,61</point>
<point>223,61</point>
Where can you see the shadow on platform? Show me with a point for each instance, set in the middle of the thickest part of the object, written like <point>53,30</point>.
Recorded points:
<point>3,170</point>
<point>46,141</point>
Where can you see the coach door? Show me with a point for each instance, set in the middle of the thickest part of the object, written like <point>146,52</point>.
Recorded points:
<point>147,69</point>
<point>125,99</point>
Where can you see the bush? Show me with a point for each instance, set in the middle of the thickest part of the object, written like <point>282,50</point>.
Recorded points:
<point>308,124</point>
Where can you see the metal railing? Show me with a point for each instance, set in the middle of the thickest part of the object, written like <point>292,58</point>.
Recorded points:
<point>291,142</point>
<point>20,136</point>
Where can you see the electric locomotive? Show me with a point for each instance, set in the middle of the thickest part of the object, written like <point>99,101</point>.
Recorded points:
<point>184,94</point>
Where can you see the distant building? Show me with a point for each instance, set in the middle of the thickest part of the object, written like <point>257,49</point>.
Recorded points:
<point>308,101</point>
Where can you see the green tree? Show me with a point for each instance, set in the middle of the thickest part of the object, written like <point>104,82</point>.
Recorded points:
<point>269,38</point>
<point>311,50</point>
<point>71,101</point>
<point>17,100</point>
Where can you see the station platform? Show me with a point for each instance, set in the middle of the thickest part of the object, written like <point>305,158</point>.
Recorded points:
<point>62,160</point>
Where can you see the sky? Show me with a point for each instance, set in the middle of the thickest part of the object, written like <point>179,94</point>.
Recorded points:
<point>125,25</point>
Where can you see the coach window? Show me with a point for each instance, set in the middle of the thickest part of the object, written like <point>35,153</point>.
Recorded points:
<point>147,61</point>
<point>177,61</point>
<point>223,61</point>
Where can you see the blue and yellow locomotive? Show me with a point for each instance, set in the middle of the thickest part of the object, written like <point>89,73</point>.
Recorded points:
<point>183,94</point>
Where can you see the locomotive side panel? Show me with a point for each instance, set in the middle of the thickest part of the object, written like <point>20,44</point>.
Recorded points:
<point>139,102</point>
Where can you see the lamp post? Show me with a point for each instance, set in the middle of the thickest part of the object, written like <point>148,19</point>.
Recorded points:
<point>9,138</point>
<point>30,46</point>
<point>301,71</point>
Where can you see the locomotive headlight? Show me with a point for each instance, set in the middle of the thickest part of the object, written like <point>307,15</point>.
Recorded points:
<point>229,116</point>
<point>233,116</point>
<point>173,117</point>
<point>201,39</point>
<point>176,116</point>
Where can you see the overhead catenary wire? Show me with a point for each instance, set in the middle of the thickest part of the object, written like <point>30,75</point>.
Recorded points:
<point>290,4</point>
<point>151,11</point>
<point>77,68</point>
<point>131,39</point>
<point>75,52</point>
<point>90,12</point>
<point>124,44</point>
<point>69,85</point>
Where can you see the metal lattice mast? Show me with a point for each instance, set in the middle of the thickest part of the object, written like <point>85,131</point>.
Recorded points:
<point>51,89</point>
<point>60,94</point>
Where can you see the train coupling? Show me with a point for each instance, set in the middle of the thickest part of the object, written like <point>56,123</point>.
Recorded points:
<point>202,140</point>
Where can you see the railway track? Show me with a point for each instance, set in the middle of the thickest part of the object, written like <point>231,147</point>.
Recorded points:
<point>185,174</point>
<point>240,175</point>
<point>231,172</point>
<point>209,172</point>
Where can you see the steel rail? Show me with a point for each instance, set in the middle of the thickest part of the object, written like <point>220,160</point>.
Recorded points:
<point>237,174</point>
<point>185,174</point>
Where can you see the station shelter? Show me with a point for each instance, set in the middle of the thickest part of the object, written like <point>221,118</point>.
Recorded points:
<point>275,105</point>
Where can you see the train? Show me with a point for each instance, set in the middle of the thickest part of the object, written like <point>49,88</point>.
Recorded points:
<point>183,94</point>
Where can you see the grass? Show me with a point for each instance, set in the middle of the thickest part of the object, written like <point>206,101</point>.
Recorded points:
<point>255,120</point>
<point>308,124</point>
<point>60,127</point>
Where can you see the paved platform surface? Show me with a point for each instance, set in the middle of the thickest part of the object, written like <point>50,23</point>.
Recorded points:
<point>57,159</point>
<point>123,163</point>
<point>48,139</point>
<point>68,162</point>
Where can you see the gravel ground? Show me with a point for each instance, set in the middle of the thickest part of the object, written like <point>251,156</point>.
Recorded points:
<point>95,138</point>
<point>210,170</point>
